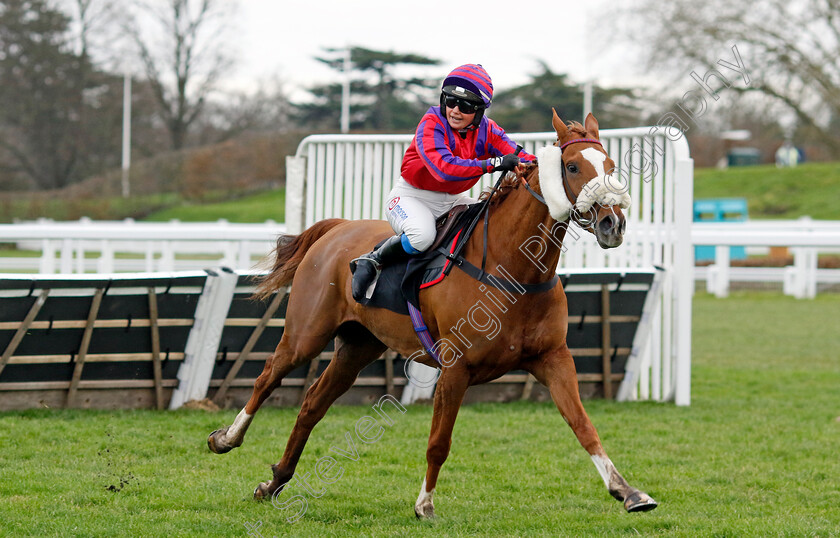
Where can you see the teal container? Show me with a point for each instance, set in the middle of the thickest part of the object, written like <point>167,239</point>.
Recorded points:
<point>743,157</point>
<point>719,210</point>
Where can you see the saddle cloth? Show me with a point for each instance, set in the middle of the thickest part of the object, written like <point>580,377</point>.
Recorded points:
<point>400,283</point>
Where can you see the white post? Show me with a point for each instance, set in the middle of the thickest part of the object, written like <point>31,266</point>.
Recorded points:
<point>46,265</point>
<point>126,146</point>
<point>721,271</point>
<point>203,342</point>
<point>66,256</point>
<point>105,264</point>
<point>295,191</point>
<point>683,279</point>
<point>345,93</point>
<point>587,98</point>
<point>811,271</point>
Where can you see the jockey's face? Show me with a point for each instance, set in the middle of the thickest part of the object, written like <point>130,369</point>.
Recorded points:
<point>457,119</point>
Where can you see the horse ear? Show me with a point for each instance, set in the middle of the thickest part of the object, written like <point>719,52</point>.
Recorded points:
<point>558,124</point>
<point>591,125</point>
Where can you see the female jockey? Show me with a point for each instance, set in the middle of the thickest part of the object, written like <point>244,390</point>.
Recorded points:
<point>455,144</point>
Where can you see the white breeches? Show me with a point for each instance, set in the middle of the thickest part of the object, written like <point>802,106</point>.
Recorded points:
<point>413,212</point>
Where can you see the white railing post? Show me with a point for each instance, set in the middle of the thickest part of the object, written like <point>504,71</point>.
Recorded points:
<point>243,257</point>
<point>801,280</point>
<point>684,277</point>
<point>150,256</point>
<point>66,256</point>
<point>105,264</point>
<point>295,194</point>
<point>167,257</point>
<point>46,265</point>
<point>721,271</point>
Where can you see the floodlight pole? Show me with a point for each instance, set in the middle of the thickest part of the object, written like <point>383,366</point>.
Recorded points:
<point>126,146</point>
<point>345,93</point>
<point>587,99</point>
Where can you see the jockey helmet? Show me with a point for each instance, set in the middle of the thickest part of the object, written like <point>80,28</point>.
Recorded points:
<point>471,83</point>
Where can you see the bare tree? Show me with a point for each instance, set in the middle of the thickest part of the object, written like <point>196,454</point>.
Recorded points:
<point>790,49</point>
<point>94,25</point>
<point>266,109</point>
<point>183,51</point>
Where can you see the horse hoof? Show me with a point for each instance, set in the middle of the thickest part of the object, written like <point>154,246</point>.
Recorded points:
<point>639,501</point>
<point>216,442</point>
<point>261,493</point>
<point>424,511</point>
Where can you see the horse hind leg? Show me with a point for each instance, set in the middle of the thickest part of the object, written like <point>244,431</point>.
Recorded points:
<point>286,357</point>
<point>557,372</point>
<point>355,349</point>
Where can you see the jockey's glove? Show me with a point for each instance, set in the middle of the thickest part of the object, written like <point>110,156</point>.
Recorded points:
<point>503,164</point>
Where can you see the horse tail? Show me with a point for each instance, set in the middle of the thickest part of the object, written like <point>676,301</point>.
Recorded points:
<point>288,254</point>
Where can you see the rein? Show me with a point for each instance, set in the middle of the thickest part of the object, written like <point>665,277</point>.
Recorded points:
<point>566,186</point>
<point>479,273</point>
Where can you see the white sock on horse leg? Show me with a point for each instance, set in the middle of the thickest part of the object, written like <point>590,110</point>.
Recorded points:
<point>240,424</point>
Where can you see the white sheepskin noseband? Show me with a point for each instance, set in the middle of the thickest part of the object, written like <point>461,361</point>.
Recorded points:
<point>604,189</point>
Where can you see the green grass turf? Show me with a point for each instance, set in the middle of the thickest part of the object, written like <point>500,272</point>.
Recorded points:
<point>756,454</point>
<point>261,207</point>
<point>810,189</point>
<point>782,193</point>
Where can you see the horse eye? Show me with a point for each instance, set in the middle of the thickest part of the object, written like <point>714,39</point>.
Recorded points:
<point>572,168</point>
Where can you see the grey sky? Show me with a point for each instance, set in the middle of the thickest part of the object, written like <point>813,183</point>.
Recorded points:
<point>279,40</point>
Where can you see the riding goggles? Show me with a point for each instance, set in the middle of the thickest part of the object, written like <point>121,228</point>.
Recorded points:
<point>467,107</point>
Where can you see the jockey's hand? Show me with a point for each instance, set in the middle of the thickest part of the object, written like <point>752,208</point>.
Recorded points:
<point>503,164</point>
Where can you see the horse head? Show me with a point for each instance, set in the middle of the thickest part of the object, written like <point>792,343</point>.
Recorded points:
<point>578,183</point>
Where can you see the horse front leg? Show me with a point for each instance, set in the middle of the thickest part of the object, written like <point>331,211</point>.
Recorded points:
<point>449,394</point>
<point>556,370</point>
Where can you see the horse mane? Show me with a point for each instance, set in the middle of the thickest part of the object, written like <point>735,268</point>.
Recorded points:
<point>510,183</point>
<point>577,129</point>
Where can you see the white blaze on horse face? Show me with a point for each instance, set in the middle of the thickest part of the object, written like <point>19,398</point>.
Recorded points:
<point>551,182</point>
<point>240,424</point>
<point>603,189</point>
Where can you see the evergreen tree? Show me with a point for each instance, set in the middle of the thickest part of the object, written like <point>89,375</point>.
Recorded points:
<point>380,101</point>
<point>527,108</point>
<point>41,95</point>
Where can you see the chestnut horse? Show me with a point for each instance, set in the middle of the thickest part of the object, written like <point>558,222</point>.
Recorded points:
<point>572,179</point>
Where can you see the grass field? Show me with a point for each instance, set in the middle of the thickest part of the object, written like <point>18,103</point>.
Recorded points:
<point>811,189</point>
<point>756,454</point>
<point>270,205</point>
<point>782,193</point>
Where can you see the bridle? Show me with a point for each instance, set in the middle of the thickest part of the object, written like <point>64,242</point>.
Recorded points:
<point>567,188</point>
<point>480,273</point>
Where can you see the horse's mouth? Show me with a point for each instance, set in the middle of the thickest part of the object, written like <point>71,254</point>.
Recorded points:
<point>609,231</point>
<point>610,241</point>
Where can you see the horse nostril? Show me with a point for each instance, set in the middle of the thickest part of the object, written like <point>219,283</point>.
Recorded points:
<point>609,225</point>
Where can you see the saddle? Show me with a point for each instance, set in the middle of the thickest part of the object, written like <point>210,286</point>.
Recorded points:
<point>400,283</point>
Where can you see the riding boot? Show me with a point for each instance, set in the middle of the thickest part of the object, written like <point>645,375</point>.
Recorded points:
<point>368,267</point>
